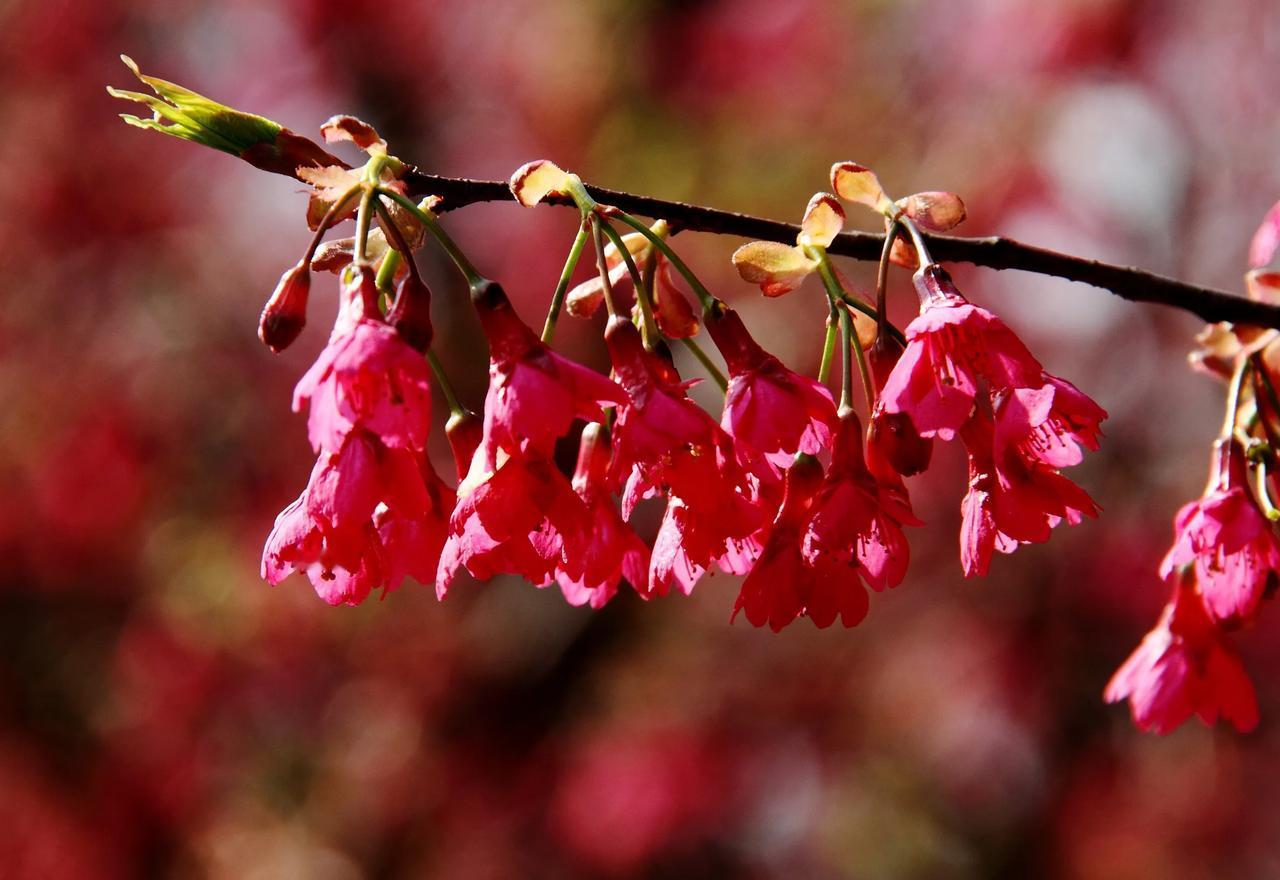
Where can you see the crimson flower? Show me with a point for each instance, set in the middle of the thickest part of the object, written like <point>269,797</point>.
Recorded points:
<point>950,347</point>
<point>768,408</point>
<point>688,544</point>
<point>534,393</point>
<point>1010,501</point>
<point>856,519</point>
<point>1183,667</point>
<point>1228,539</point>
<point>663,441</point>
<point>369,516</point>
<point>366,377</point>
<point>516,514</point>
<point>1048,424</point>
<point>785,581</point>
<point>612,549</point>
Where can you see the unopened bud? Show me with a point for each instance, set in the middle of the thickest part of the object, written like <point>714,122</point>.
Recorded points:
<point>411,313</point>
<point>938,211</point>
<point>464,431</point>
<point>285,313</point>
<point>893,441</point>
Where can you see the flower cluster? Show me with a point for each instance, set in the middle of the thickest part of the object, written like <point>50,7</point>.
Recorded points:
<point>785,488</point>
<point>1225,557</point>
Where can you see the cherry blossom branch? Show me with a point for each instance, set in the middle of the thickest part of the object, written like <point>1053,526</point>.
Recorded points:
<point>993,252</point>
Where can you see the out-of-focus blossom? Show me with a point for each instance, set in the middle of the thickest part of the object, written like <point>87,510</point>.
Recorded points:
<point>1262,249</point>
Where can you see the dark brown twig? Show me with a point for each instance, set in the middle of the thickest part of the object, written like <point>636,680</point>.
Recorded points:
<point>1127,282</point>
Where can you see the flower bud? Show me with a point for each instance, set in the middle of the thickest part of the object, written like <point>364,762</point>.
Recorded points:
<point>411,313</point>
<point>464,431</point>
<point>285,313</point>
<point>937,211</point>
<point>894,442</point>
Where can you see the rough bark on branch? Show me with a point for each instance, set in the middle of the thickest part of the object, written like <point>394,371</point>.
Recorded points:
<point>1127,282</point>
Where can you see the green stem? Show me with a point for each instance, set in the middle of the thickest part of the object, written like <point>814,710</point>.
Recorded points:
<point>707,363</point>
<point>858,305</point>
<point>1263,493</point>
<point>364,215</point>
<point>850,340</point>
<point>562,286</point>
<point>446,387</point>
<point>432,224</point>
<point>603,265</point>
<point>648,327</point>
<point>387,271</point>
<point>829,344</point>
<point>705,299</point>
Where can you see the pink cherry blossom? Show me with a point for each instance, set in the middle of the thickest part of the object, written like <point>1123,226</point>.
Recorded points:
<point>950,347</point>
<point>534,394</point>
<point>1049,424</point>
<point>613,551</point>
<point>856,519</point>
<point>367,377</point>
<point>768,408</point>
<point>1010,501</point>
<point>1228,539</point>
<point>1184,667</point>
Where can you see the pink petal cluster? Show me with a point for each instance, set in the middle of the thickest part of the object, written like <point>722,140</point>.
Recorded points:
<point>769,409</point>
<point>367,376</point>
<point>612,550</point>
<point>951,347</point>
<point>1228,540</point>
<point>665,444</point>
<point>1184,667</point>
<point>373,511</point>
<point>830,535</point>
<point>516,513</point>
<point>963,372</point>
<point>1012,499</point>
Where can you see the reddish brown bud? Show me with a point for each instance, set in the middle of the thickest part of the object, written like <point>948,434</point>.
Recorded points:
<point>894,442</point>
<point>411,313</point>
<point>285,313</point>
<point>882,357</point>
<point>938,211</point>
<point>465,432</point>
<point>676,318</point>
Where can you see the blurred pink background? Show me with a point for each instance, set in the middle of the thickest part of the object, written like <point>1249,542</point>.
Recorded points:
<point>165,713</point>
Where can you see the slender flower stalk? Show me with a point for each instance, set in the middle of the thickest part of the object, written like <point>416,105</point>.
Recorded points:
<point>648,327</point>
<point>602,263</point>
<point>705,299</point>
<point>829,343</point>
<point>557,296</point>
<point>432,223</point>
<point>852,346</point>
